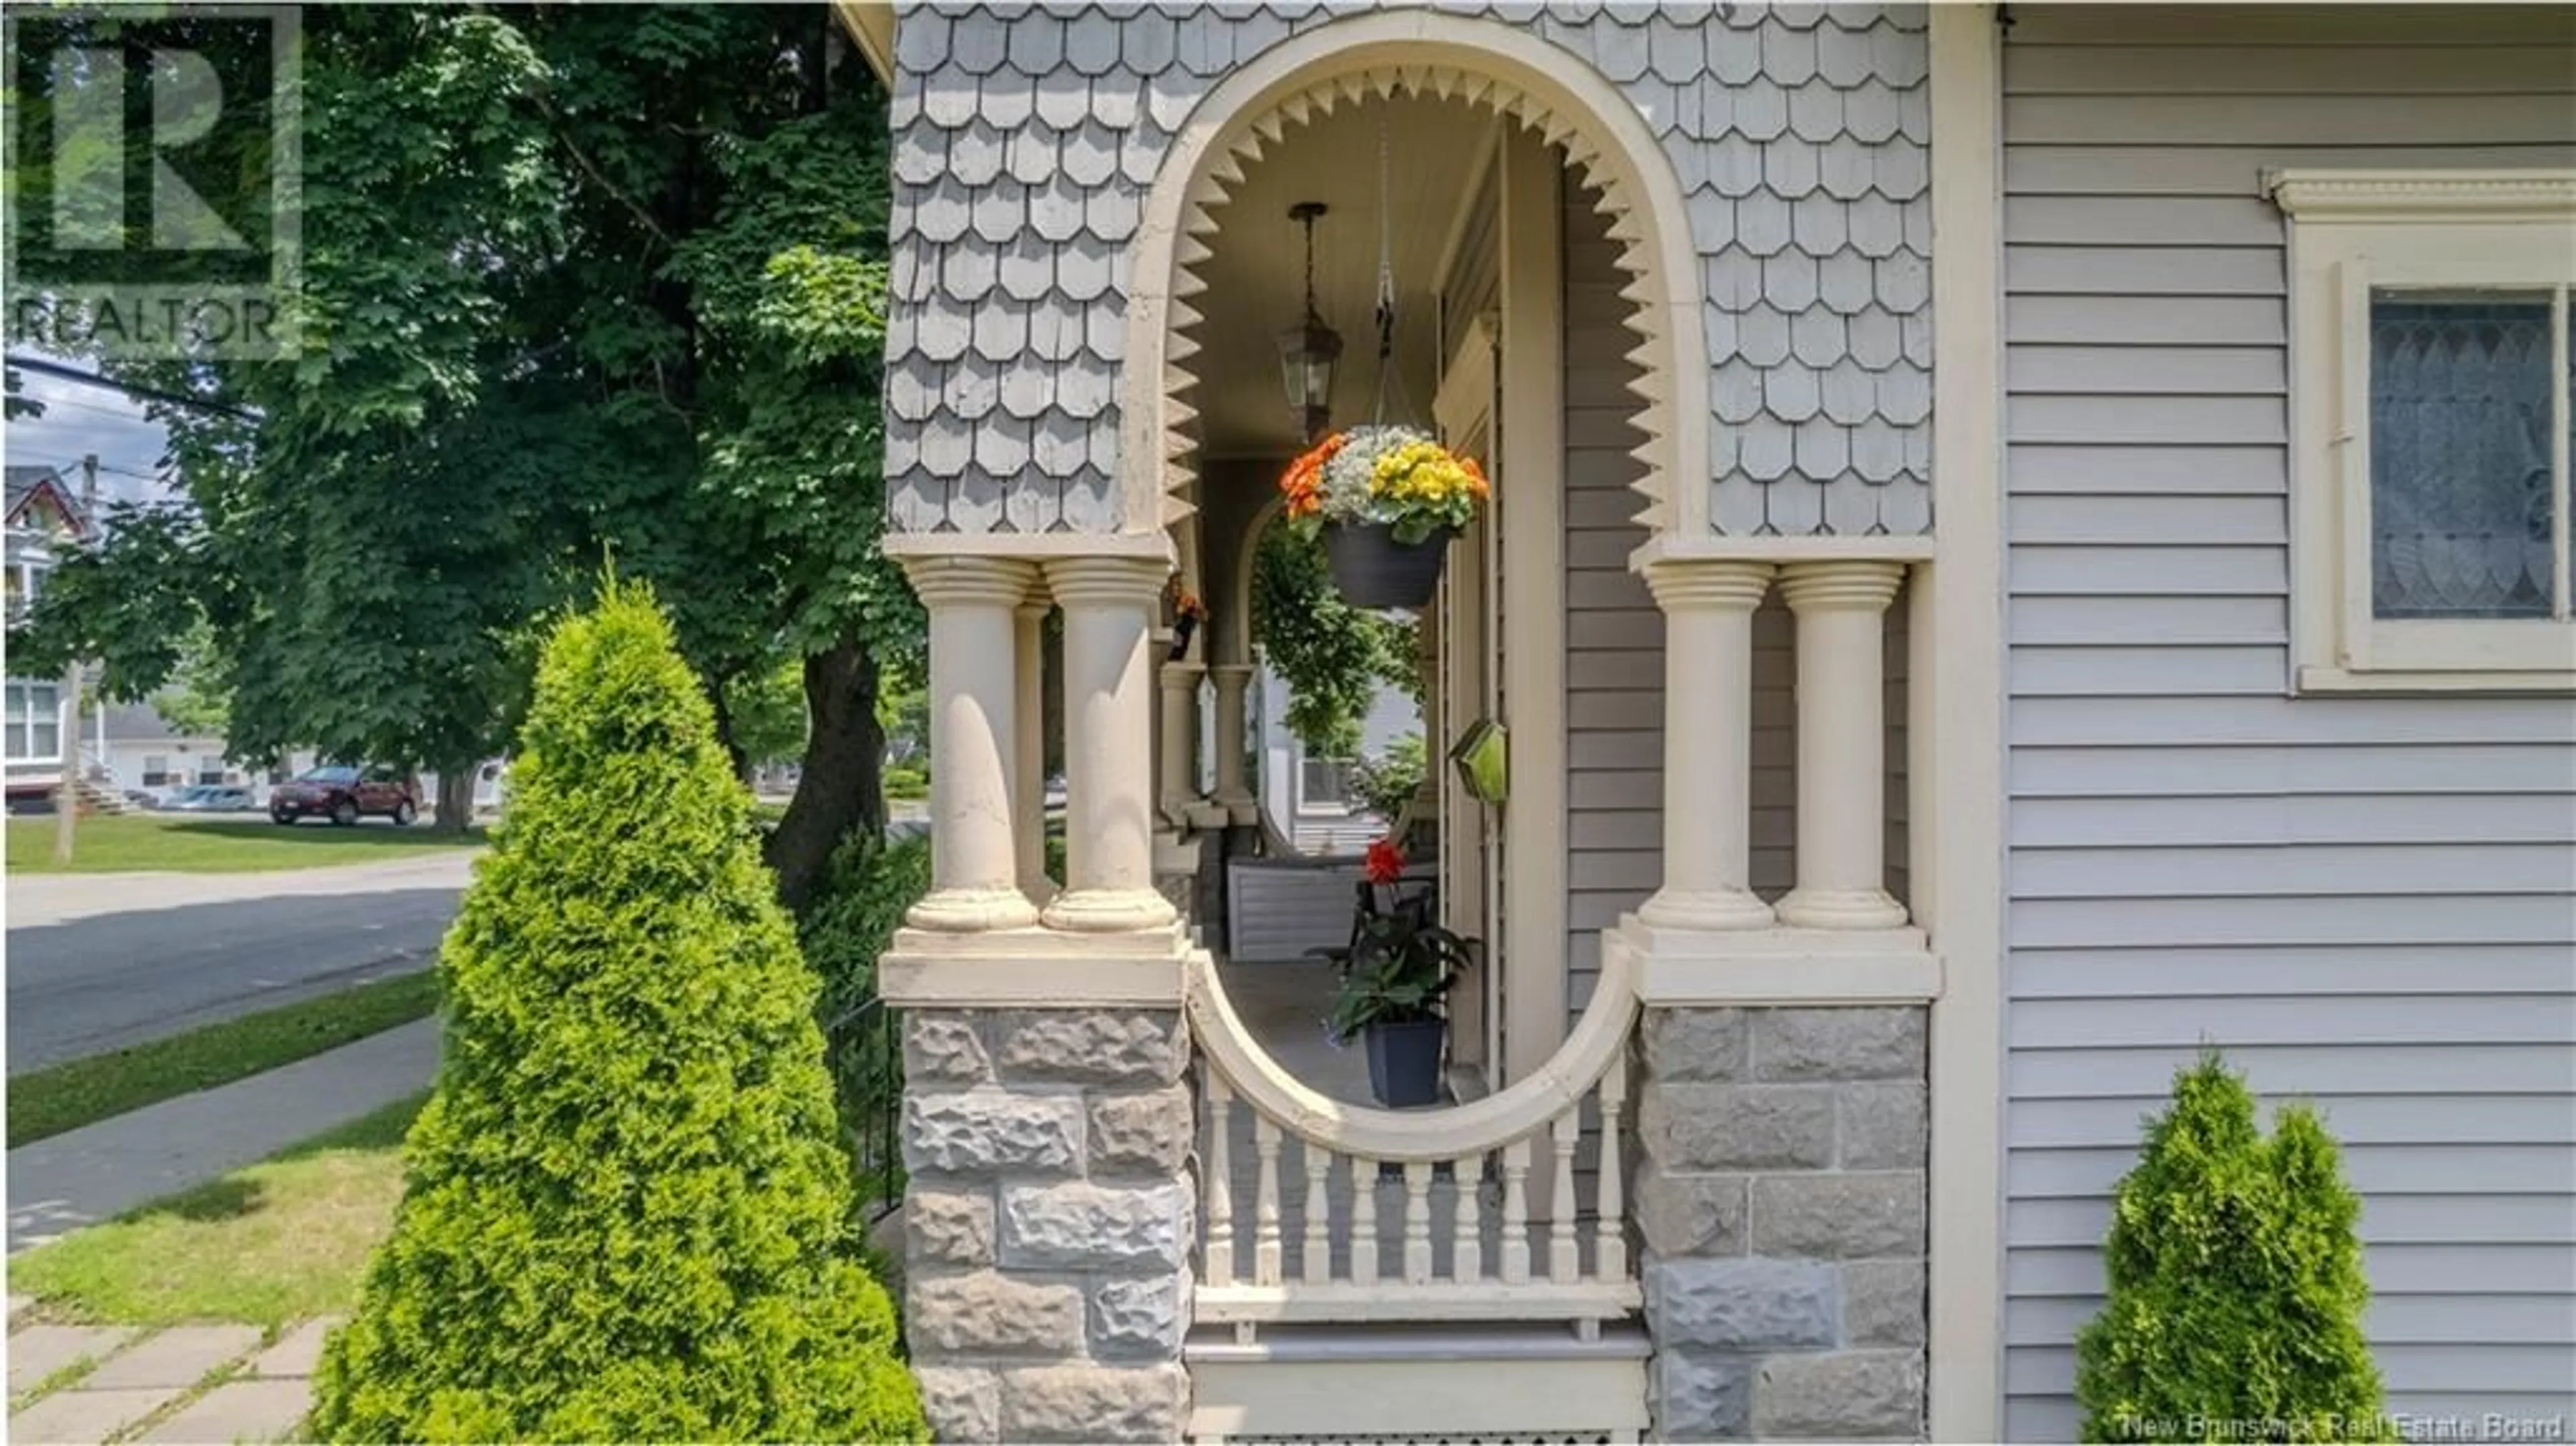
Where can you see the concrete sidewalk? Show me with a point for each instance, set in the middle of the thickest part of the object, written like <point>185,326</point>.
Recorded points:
<point>190,1383</point>
<point>36,900</point>
<point>102,1170</point>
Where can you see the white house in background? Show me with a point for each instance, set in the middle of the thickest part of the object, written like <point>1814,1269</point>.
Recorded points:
<point>1308,799</point>
<point>142,750</point>
<point>45,512</point>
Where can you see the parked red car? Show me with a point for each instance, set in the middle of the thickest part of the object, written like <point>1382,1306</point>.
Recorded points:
<point>344,795</point>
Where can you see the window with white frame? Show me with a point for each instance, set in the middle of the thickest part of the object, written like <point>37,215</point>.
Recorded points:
<point>156,771</point>
<point>2434,402</point>
<point>35,723</point>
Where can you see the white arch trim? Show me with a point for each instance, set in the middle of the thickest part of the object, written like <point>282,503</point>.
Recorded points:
<point>1527,1106</point>
<point>1417,51</point>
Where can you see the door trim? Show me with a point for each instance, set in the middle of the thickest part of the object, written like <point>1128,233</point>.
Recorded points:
<point>1531,430</point>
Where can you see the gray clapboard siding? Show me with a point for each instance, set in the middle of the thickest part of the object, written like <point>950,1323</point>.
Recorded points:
<point>2368,902</point>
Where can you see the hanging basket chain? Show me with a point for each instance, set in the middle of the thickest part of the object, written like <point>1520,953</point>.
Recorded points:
<point>1388,379</point>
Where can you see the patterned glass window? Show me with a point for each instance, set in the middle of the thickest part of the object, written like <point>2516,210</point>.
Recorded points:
<point>2432,412</point>
<point>2462,496</point>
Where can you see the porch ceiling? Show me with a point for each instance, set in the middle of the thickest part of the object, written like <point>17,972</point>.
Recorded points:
<point>1254,279</point>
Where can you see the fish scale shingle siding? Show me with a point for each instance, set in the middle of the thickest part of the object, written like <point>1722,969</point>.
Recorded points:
<point>1026,140</point>
<point>2368,902</point>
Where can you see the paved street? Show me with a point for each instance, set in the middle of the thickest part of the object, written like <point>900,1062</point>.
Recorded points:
<point>97,962</point>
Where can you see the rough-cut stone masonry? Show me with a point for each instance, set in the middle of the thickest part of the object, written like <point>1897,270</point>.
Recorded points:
<point>1048,1222</point>
<point>1780,1194</point>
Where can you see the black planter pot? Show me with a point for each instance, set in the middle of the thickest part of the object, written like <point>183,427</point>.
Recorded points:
<point>1373,570</point>
<point>1404,1062</point>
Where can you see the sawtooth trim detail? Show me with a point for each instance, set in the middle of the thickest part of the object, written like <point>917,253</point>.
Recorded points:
<point>1385,55</point>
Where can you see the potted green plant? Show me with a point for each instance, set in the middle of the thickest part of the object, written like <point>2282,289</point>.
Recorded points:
<point>1399,967</point>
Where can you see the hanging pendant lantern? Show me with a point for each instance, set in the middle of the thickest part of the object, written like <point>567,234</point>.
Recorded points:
<point>1309,350</point>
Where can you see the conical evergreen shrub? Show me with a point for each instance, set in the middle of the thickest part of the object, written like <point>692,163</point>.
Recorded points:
<point>2236,1286</point>
<point>625,1216</point>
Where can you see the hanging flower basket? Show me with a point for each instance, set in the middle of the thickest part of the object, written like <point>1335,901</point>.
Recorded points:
<point>1387,500</point>
<point>1373,570</point>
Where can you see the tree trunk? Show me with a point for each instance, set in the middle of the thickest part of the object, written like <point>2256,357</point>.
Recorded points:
<point>842,787</point>
<point>456,796</point>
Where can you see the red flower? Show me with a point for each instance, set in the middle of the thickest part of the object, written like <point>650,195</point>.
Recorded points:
<point>1385,862</point>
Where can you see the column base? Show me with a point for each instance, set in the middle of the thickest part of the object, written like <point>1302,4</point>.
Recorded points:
<point>1713,909</point>
<point>1840,909</point>
<point>971,911</point>
<point>1109,911</point>
<point>1240,808</point>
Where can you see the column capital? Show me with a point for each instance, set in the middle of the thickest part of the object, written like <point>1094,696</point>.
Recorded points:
<point>953,579</point>
<point>1229,673</point>
<point>1037,602</point>
<point>1107,581</point>
<point>1182,676</point>
<point>1708,583</point>
<point>1842,585</point>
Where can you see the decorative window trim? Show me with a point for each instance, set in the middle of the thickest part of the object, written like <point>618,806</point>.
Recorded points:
<point>2350,231</point>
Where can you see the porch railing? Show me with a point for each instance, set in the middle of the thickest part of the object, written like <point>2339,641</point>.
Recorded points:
<point>863,1048</point>
<point>1316,1210</point>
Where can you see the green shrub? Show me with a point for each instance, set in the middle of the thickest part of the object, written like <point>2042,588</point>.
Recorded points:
<point>904,781</point>
<point>624,1214</point>
<point>1388,782</point>
<point>2236,1287</point>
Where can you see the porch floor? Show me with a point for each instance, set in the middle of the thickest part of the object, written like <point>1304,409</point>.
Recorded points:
<point>1283,1004</point>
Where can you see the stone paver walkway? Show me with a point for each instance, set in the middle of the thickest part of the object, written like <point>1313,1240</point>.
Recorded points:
<point>102,1170</point>
<point>115,1383</point>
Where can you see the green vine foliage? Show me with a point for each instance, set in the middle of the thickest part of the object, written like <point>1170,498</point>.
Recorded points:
<point>2236,1284</point>
<point>625,1215</point>
<point>1334,657</point>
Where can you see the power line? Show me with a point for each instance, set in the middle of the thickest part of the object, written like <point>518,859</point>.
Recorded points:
<point>43,367</point>
<point>59,461</point>
<point>49,403</point>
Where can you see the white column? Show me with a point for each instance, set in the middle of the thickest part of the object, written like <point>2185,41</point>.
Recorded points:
<point>1233,682</point>
<point>1842,745</point>
<point>974,866</point>
<point>1708,608</point>
<point>1178,739</point>
<point>1028,753</point>
<point>1108,720</point>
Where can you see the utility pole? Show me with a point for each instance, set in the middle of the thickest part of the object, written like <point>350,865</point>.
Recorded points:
<point>67,727</point>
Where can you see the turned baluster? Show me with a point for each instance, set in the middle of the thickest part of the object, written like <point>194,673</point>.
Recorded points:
<point>1365,1222</point>
<point>1417,1222</point>
<point>1319,1216</point>
<point>1265,1203</point>
<point>1220,1190</point>
<point>1516,1249</point>
<point>1610,1229</point>
<point>1467,1250</point>
<point>1564,1261</point>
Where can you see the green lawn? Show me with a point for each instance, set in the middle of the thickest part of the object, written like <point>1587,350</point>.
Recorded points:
<point>133,843</point>
<point>68,1095</point>
<point>280,1241</point>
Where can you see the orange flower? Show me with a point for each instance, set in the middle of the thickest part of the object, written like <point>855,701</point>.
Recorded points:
<point>1475,476</point>
<point>1303,483</point>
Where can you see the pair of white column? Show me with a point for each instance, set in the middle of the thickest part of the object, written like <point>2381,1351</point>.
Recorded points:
<point>988,838</point>
<point>1708,606</point>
